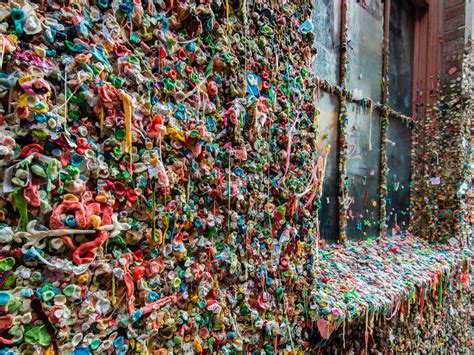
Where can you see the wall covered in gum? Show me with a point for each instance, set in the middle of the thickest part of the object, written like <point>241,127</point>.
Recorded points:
<point>152,151</point>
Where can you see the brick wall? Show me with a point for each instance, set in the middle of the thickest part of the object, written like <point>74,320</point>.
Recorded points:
<point>453,119</point>
<point>440,137</point>
<point>453,39</point>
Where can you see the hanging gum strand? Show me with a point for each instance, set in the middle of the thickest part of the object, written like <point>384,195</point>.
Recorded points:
<point>128,110</point>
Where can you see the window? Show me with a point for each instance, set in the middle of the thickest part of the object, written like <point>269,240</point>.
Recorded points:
<point>363,171</point>
<point>365,68</point>
<point>327,25</point>
<point>400,69</point>
<point>400,93</point>
<point>328,107</point>
<point>365,52</point>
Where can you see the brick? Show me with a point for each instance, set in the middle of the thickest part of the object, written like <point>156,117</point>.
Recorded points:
<point>453,57</point>
<point>457,63</point>
<point>454,23</point>
<point>454,67</point>
<point>450,3</point>
<point>453,35</point>
<point>453,46</point>
<point>454,12</point>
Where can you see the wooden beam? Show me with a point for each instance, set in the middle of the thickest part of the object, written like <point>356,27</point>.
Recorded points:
<point>420,3</point>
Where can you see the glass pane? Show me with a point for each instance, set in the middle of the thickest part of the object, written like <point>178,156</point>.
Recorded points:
<point>328,106</point>
<point>366,48</point>
<point>398,178</point>
<point>363,171</point>
<point>402,27</point>
<point>327,29</point>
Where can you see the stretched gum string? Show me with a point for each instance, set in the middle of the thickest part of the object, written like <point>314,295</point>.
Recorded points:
<point>315,184</point>
<point>170,7</point>
<point>88,248</point>
<point>288,152</point>
<point>38,255</point>
<point>130,287</point>
<point>370,128</point>
<point>150,8</point>
<point>130,290</point>
<point>366,335</point>
<point>422,303</point>
<point>65,97</point>
<point>158,304</point>
<point>3,51</point>
<point>102,120</point>
<point>366,198</point>
<point>68,241</point>
<point>127,107</point>
<point>40,237</point>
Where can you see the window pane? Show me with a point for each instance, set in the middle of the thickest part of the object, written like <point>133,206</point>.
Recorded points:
<point>398,178</point>
<point>363,171</point>
<point>327,29</point>
<point>402,26</point>
<point>366,48</point>
<point>328,106</point>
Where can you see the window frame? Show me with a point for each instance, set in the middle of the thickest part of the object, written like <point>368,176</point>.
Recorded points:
<point>426,64</point>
